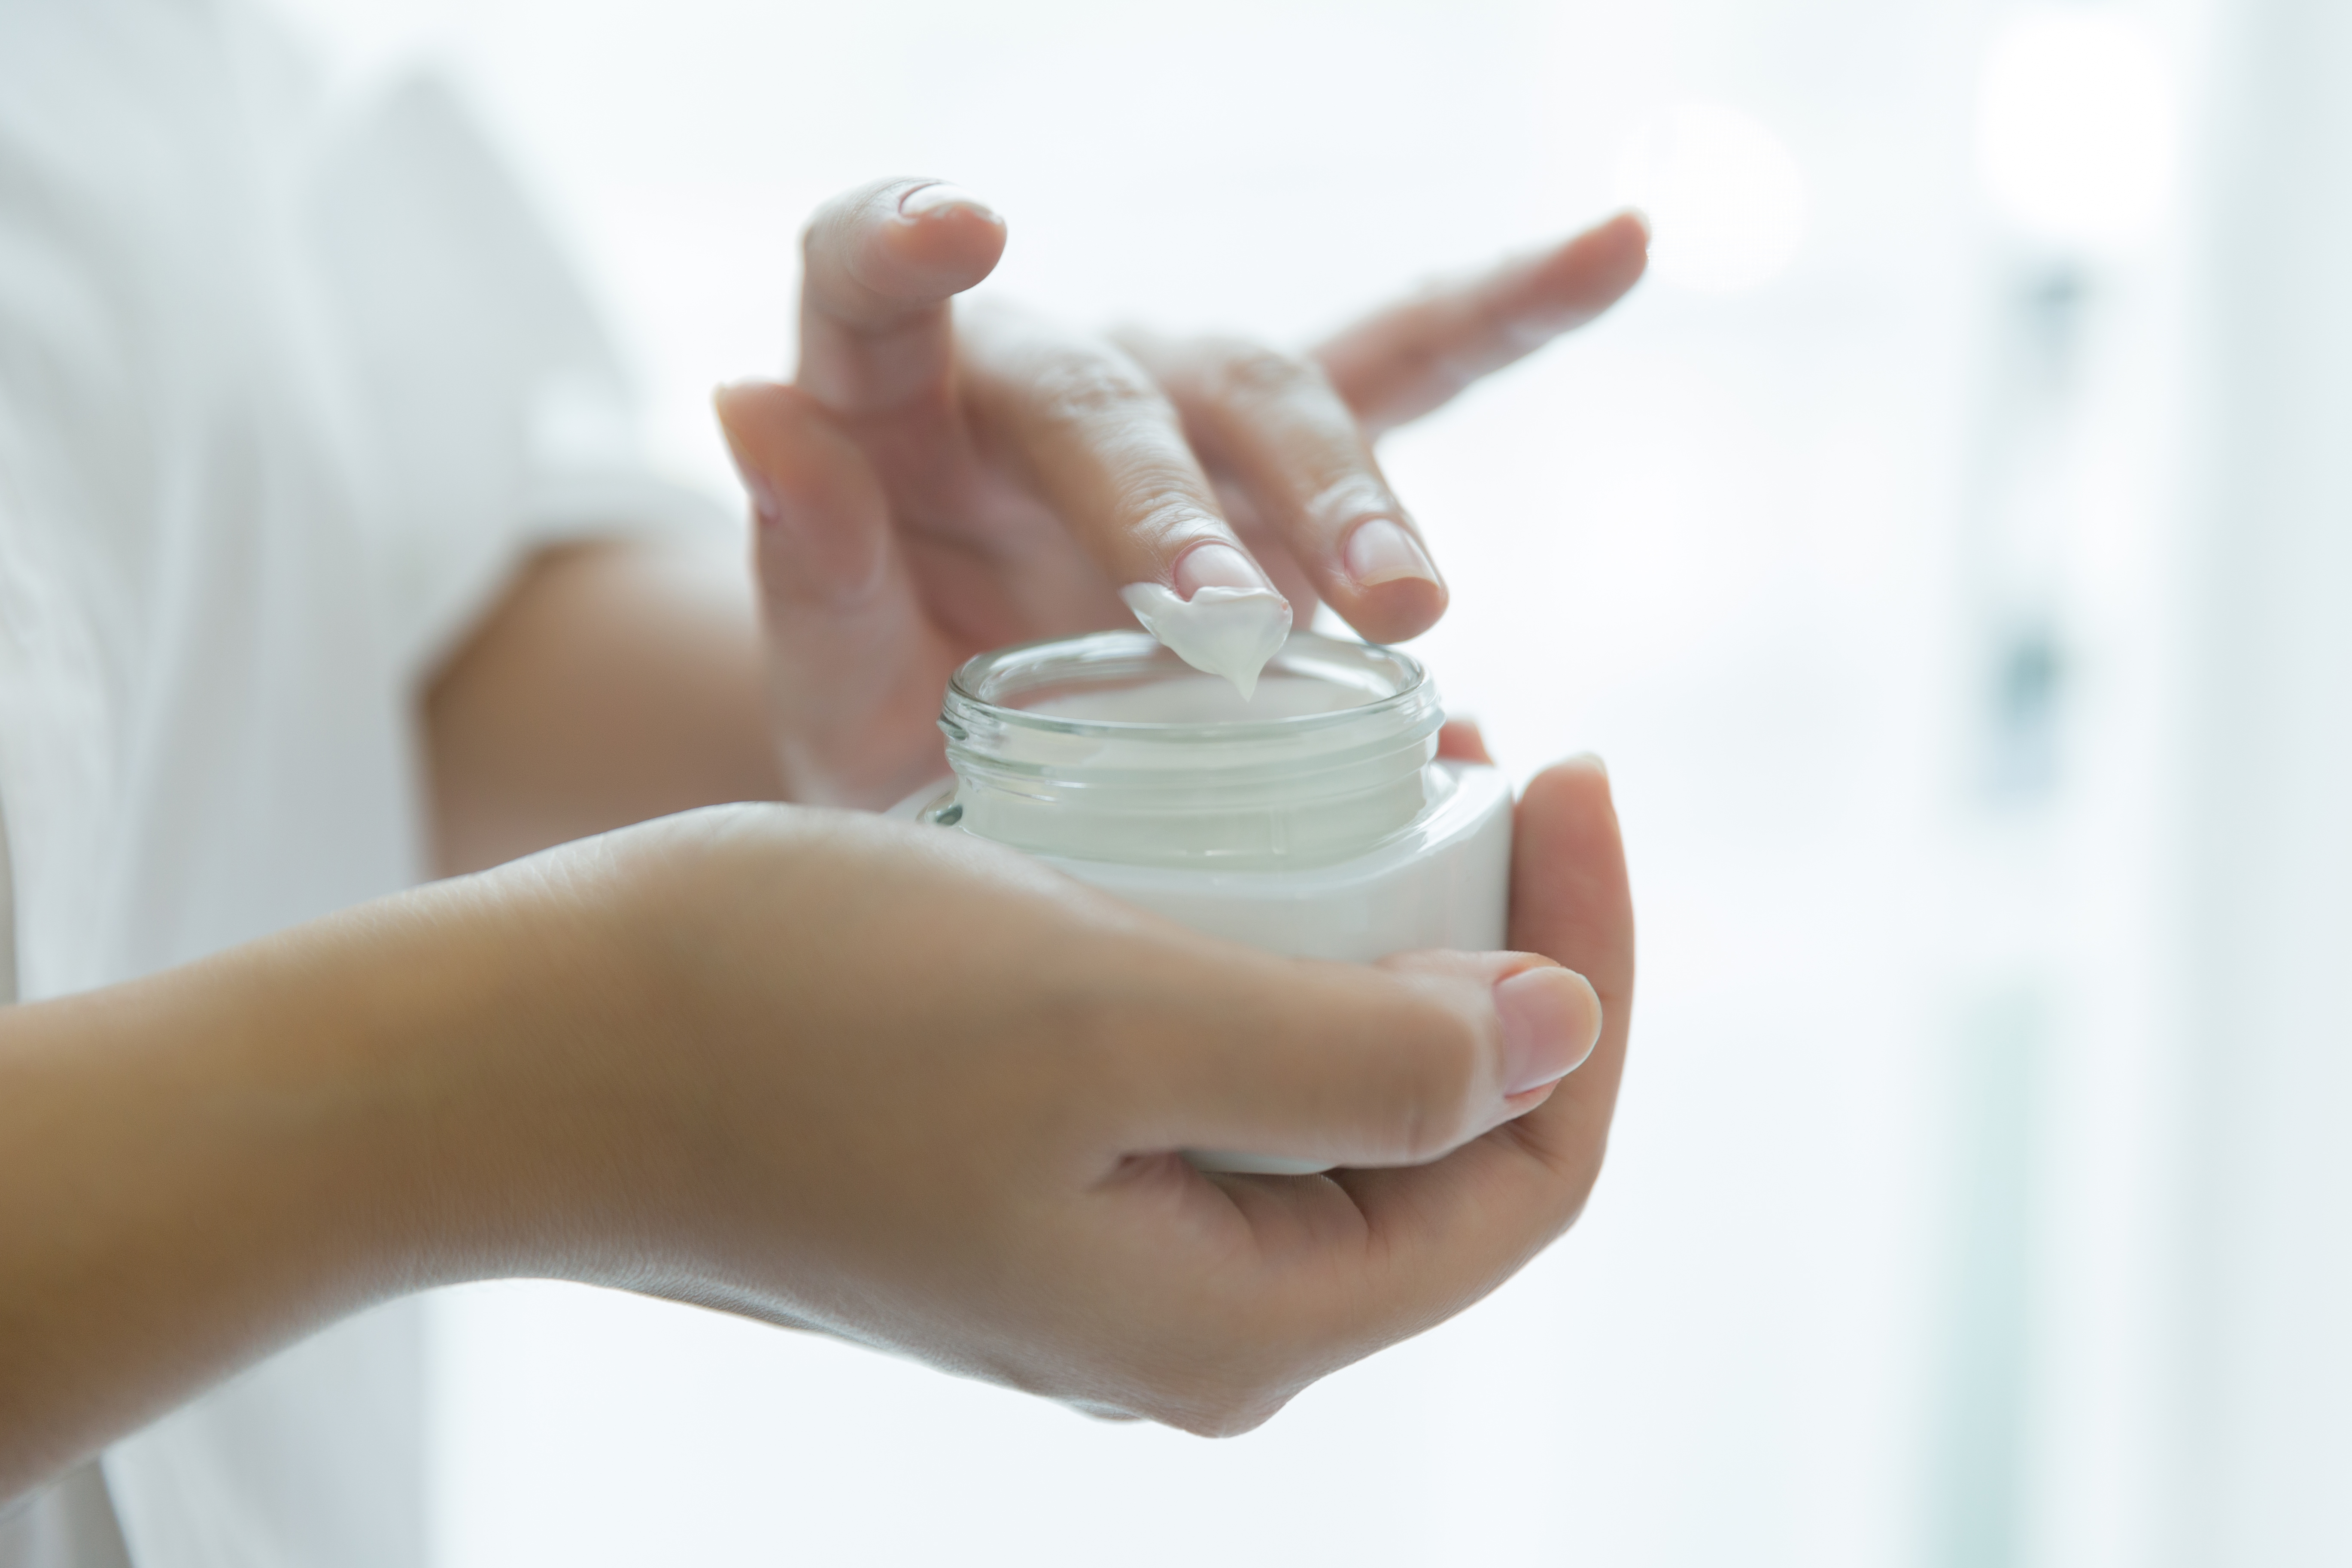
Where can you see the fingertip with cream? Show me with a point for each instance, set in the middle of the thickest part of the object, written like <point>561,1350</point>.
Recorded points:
<point>1223,617</point>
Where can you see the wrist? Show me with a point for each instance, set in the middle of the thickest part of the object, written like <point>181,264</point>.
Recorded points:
<point>394,1097</point>
<point>505,1024</point>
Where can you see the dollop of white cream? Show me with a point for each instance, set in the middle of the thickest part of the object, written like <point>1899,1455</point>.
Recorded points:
<point>1230,632</point>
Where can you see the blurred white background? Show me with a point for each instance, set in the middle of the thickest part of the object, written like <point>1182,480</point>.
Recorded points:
<point>1945,548</point>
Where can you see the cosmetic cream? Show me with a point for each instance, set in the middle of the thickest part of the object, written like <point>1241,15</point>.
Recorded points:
<point>1230,632</point>
<point>1314,819</point>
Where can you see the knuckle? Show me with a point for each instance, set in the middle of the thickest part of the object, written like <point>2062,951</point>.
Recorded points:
<point>1106,1045</point>
<point>1224,1359</point>
<point>1240,1412</point>
<point>1224,1403</point>
<point>1447,1076</point>
<point>1073,388</point>
<point>1252,372</point>
<point>1168,522</point>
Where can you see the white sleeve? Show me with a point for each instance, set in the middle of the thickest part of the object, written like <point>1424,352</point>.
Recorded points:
<point>491,411</point>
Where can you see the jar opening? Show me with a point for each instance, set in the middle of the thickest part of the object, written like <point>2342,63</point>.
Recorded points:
<point>1190,698</point>
<point>1128,679</point>
<point>1109,747</point>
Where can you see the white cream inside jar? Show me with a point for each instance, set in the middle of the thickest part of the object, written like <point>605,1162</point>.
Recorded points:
<point>1314,820</point>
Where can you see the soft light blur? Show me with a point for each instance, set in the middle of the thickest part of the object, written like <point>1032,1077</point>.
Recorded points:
<point>1725,202</point>
<point>1944,550</point>
<point>2075,130</point>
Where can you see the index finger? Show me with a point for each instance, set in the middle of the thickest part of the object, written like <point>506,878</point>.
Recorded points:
<point>1098,441</point>
<point>1397,363</point>
<point>881,263</point>
<point>1466,1222</point>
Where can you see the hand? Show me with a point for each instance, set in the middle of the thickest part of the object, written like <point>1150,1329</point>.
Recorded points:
<point>818,1067</point>
<point>935,484</point>
<point>922,1093</point>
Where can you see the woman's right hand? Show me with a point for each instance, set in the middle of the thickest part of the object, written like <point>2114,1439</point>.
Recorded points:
<point>820,1068</point>
<point>906,1086</point>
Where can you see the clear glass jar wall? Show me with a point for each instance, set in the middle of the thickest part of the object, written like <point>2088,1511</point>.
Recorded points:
<point>1315,819</point>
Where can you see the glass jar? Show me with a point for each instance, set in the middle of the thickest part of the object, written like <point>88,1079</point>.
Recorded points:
<point>1315,820</point>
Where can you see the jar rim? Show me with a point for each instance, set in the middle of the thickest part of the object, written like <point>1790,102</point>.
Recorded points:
<point>978,683</point>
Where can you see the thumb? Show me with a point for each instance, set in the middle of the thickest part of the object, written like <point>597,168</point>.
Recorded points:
<point>855,670</point>
<point>1393,1065</point>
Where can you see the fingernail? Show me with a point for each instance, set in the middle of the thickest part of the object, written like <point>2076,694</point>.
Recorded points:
<point>1217,566</point>
<point>1550,1020</point>
<point>1381,551</point>
<point>763,497</point>
<point>1591,760</point>
<point>925,200</point>
<point>763,500</point>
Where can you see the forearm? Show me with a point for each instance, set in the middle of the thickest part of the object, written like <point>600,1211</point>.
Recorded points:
<point>199,1167</point>
<point>616,681</point>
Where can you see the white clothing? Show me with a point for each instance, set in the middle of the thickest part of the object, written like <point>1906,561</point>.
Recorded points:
<point>284,393</point>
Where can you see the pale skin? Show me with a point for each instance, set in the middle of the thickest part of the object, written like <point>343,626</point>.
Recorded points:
<point>816,1068</point>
